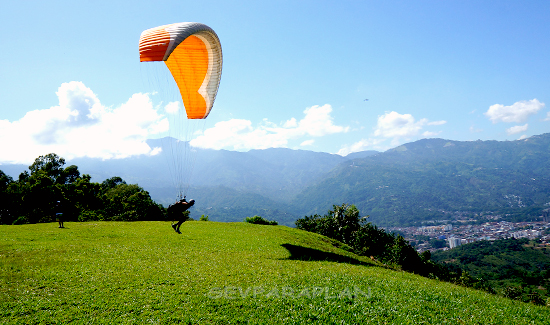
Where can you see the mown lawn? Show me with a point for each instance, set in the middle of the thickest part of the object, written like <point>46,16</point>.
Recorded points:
<point>220,273</point>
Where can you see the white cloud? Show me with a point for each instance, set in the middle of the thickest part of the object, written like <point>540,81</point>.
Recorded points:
<point>307,143</point>
<point>515,113</point>
<point>292,123</point>
<point>547,117</point>
<point>318,122</point>
<point>172,107</point>
<point>395,125</point>
<point>239,134</point>
<point>80,126</point>
<point>437,123</point>
<point>362,145</point>
<point>517,129</point>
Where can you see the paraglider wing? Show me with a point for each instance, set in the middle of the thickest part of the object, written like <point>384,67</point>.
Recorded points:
<point>193,54</point>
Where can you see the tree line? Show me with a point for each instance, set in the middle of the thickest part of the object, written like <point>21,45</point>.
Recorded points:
<point>32,198</point>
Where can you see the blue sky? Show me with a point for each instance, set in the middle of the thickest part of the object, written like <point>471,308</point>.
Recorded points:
<point>296,74</point>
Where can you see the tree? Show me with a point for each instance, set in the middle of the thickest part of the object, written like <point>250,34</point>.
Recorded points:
<point>68,175</point>
<point>404,255</point>
<point>51,164</point>
<point>5,181</point>
<point>426,256</point>
<point>85,199</point>
<point>341,223</point>
<point>438,243</point>
<point>39,195</point>
<point>126,202</point>
<point>111,183</point>
<point>6,198</point>
<point>348,221</point>
<point>371,241</point>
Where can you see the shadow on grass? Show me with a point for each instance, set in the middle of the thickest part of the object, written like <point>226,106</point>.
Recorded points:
<point>310,254</point>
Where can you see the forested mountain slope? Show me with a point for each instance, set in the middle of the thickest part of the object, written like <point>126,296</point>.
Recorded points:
<point>438,179</point>
<point>514,266</point>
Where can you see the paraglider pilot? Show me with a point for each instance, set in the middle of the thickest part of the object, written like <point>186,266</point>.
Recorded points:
<point>176,212</point>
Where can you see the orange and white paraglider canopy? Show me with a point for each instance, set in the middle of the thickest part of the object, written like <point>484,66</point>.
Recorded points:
<point>193,54</point>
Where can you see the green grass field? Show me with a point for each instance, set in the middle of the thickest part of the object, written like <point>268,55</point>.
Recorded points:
<point>220,273</point>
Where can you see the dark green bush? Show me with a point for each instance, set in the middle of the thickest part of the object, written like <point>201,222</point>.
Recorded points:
<point>88,215</point>
<point>260,221</point>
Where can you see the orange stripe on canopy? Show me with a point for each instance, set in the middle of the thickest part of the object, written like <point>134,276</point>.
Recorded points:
<point>188,63</point>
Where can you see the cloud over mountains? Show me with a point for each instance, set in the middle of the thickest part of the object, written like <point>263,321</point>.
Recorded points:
<point>81,126</point>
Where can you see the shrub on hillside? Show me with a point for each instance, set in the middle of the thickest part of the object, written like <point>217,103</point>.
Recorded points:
<point>341,223</point>
<point>88,215</point>
<point>260,221</point>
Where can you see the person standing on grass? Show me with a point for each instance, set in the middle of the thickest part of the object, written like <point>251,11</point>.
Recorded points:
<point>59,213</point>
<point>177,211</point>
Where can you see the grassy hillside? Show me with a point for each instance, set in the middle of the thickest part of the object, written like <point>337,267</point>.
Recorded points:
<point>220,273</point>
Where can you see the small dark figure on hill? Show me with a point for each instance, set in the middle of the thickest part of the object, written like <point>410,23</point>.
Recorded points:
<point>59,213</point>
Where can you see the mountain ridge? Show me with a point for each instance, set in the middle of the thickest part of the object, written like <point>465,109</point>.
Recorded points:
<point>428,179</point>
<point>475,177</point>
